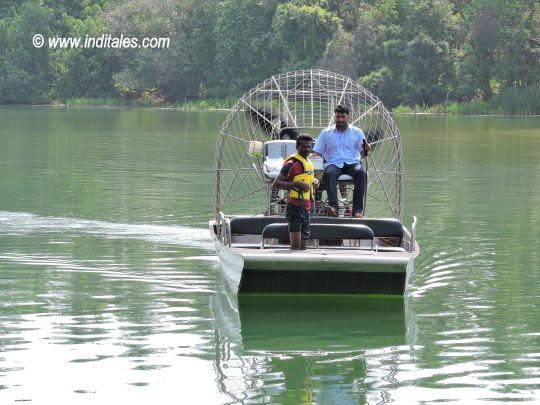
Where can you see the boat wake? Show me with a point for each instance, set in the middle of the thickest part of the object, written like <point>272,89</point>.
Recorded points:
<point>21,223</point>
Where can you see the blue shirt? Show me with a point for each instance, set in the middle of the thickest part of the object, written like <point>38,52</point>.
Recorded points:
<point>338,148</point>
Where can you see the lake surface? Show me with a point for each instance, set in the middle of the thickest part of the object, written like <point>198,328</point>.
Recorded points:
<point>110,291</point>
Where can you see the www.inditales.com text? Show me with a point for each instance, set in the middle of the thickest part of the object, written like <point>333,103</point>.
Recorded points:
<point>104,41</point>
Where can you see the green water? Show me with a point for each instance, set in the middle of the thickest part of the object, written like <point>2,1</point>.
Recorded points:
<point>110,291</point>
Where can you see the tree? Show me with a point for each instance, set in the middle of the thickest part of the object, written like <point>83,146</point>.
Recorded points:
<point>191,64</point>
<point>519,46</point>
<point>303,33</point>
<point>85,72</point>
<point>408,50</point>
<point>177,72</point>
<point>479,50</point>
<point>246,52</point>
<point>26,72</point>
<point>341,54</point>
<point>428,55</point>
<point>73,8</point>
<point>8,8</point>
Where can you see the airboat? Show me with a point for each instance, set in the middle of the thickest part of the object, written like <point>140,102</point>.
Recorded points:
<point>372,255</point>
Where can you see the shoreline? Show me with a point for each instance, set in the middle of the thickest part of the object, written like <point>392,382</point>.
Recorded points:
<point>197,109</point>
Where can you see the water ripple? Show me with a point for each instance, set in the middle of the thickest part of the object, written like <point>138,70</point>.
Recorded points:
<point>21,223</point>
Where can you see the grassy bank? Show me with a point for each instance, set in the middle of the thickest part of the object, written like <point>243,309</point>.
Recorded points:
<point>520,102</point>
<point>512,101</point>
<point>207,104</point>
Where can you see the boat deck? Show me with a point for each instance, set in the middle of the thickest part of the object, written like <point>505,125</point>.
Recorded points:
<point>256,260</point>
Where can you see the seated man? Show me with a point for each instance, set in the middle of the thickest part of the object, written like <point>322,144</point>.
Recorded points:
<point>341,146</point>
<point>298,177</point>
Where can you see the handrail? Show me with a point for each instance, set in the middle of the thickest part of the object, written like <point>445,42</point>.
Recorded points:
<point>413,235</point>
<point>219,223</point>
<point>224,230</point>
<point>228,222</point>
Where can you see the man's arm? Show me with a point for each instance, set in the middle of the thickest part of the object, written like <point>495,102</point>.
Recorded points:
<point>282,181</point>
<point>320,145</point>
<point>365,147</point>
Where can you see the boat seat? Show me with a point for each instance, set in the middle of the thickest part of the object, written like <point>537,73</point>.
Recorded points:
<point>275,153</point>
<point>253,225</point>
<point>322,231</point>
<point>381,227</point>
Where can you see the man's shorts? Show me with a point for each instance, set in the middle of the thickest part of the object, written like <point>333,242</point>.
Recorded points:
<point>298,218</point>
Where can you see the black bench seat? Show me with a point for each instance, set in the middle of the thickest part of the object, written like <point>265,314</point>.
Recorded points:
<point>381,227</point>
<point>322,231</point>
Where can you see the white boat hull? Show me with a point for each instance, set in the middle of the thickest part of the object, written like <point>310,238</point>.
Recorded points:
<point>327,270</point>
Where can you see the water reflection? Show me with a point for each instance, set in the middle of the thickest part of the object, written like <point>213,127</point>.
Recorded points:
<point>106,272</point>
<point>305,349</point>
<point>103,315</point>
<point>332,324</point>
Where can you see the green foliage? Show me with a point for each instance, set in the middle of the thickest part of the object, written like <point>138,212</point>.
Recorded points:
<point>95,102</point>
<point>206,104</point>
<point>79,9</point>
<point>8,8</point>
<point>411,45</point>
<point>339,54</point>
<point>403,109</point>
<point>245,51</point>
<point>303,33</point>
<point>381,82</point>
<point>518,101</point>
<point>511,101</point>
<point>209,104</point>
<point>502,43</point>
<point>477,107</point>
<point>473,57</point>
<point>421,109</point>
<point>39,75</point>
<point>151,69</point>
<point>26,72</point>
<point>84,72</point>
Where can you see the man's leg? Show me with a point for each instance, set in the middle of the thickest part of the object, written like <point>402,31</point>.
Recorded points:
<point>358,173</point>
<point>294,219</point>
<point>305,229</point>
<point>331,174</point>
<point>296,240</point>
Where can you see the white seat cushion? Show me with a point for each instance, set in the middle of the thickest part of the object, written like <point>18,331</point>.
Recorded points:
<point>345,177</point>
<point>275,153</point>
<point>272,167</point>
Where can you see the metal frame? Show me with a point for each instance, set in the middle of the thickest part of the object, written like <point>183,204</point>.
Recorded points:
<point>304,99</point>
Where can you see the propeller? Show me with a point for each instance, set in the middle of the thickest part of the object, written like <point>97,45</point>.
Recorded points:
<point>272,125</point>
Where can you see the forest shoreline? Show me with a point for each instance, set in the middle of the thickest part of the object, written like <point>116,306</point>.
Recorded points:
<point>224,105</point>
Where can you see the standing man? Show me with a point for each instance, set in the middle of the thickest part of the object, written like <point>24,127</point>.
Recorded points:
<point>341,147</point>
<point>298,177</point>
